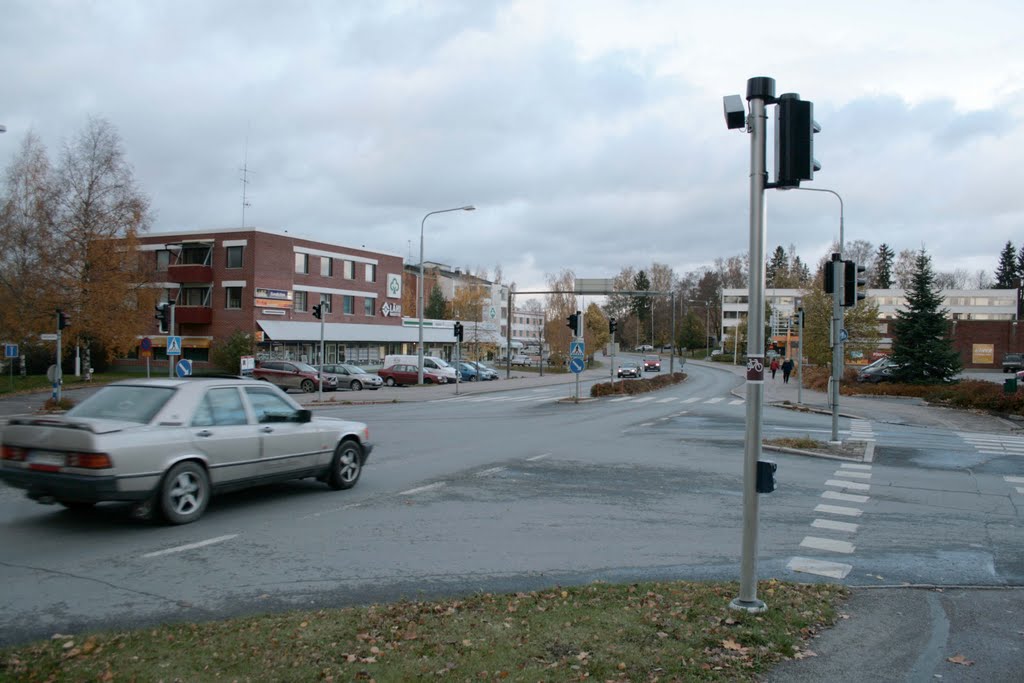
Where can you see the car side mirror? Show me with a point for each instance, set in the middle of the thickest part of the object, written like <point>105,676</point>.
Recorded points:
<point>303,415</point>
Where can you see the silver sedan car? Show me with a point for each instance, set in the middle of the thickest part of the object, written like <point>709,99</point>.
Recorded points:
<point>170,444</point>
<point>351,377</point>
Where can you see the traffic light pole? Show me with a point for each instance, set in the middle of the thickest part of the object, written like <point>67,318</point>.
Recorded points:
<point>760,91</point>
<point>320,375</point>
<point>837,344</point>
<point>170,333</point>
<point>60,375</point>
<point>672,342</point>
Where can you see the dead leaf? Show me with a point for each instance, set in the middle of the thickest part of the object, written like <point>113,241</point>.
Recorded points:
<point>583,655</point>
<point>730,644</point>
<point>960,659</point>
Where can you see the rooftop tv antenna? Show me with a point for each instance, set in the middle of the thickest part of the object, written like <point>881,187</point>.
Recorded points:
<point>245,178</point>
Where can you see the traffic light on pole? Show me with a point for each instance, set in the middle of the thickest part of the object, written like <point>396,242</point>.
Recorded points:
<point>794,141</point>
<point>829,273</point>
<point>62,319</point>
<point>458,331</point>
<point>853,280</point>
<point>573,322</point>
<point>318,311</point>
<point>613,325</point>
<point>162,317</point>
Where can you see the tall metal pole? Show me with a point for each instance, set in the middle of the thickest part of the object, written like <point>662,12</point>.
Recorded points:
<point>759,91</point>
<point>170,333</point>
<point>672,341</point>
<point>837,346</point>
<point>60,376</point>
<point>508,336</point>
<point>320,375</point>
<point>800,360</point>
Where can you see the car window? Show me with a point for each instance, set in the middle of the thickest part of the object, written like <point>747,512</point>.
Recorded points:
<point>268,406</point>
<point>222,406</point>
<point>130,403</point>
<point>354,369</point>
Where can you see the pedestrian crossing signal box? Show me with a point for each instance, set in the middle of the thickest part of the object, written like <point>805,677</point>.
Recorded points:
<point>766,476</point>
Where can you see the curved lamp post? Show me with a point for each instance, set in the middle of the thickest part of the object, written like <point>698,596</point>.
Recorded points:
<point>419,284</point>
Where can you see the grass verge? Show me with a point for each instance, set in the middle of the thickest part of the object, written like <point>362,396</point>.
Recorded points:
<point>603,632</point>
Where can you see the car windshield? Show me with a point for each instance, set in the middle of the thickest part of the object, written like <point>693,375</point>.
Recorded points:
<point>354,369</point>
<point>124,402</point>
<point>652,358</point>
<point>304,367</point>
<point>441,363</point>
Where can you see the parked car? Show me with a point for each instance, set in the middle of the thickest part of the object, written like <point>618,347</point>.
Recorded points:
<point>484,372</point>
<point>652,363</point>
<point>403,374</point>
<point>1012,362</point>
<point>521,359</point>
<point>878,371</point>
<point>290,374</point>
<point>628,369</point>
<point>644,347</point>
<point>170,444</point>
<point>352,377</point>
<point>467,372</point>
<point>438,365</point>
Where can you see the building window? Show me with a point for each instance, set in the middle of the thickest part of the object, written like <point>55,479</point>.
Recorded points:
<point>233,257</point>
<point>300,300</point>
<point>326,266</point>
<point>348,304</point>
<point>195,255</point>
<point>302,263</point>
<point>163,259</point>
<point>371,272</point>
<point>349,270</point>
<point>368,306</point>
<point>194,296</point>
<point>234,297</point>
<point>325,302</point>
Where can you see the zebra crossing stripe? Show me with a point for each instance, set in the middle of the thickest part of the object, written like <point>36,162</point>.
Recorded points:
<point>848,473</point>
<point>839,510</point>
<point>621,398</point>
<point>1014,480</point>
<point>827,544</point>
<point>855,485</point>
<point>835,526</point>
<point>736,402</point>
<point>715,400</point>
<point>669,399</point>
<point>848,497</point>
<point>832,570</point>
<point>851,466</point>
<point>645,399</point>
<point>691,400</point>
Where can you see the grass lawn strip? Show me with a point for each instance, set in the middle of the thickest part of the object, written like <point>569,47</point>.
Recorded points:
<point>603,632</point>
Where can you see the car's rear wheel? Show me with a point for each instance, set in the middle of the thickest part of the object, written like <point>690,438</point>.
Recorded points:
<point>390,381</point>
<point>346,466</point>
<point>472,378</point>
<point>184,493</point>
<point>356,385</point>
<point>308,386</point>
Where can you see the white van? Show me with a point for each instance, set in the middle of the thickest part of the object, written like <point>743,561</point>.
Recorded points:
<point>429,362</point>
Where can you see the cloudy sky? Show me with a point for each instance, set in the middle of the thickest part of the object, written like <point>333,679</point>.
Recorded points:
<point>589,134</point>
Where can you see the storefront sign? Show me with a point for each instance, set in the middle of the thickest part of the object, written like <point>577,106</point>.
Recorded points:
<point>394,286</point>
<point>273,298</point>
<point>390,309</point>
<point>983,354</point>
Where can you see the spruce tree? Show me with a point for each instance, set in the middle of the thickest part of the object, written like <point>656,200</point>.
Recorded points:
<point>1020,263</point>
<point>436,304</point>
<point>1006,272</point>
<point>777,269</point>
<point>921,347</point>
<point>882,277</point>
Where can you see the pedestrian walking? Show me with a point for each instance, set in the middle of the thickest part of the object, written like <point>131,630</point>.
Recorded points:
<point>787,369</point>
<point>774,366</point>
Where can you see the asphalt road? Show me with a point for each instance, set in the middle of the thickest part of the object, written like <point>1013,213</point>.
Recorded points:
<point>510,487</point>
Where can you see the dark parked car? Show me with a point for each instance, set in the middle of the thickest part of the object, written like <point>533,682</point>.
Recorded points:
<point>291,374</point>
<point>628,369</point>
<point>352,376</point>
<point>879,371</point>
<point>402,374</point>
<point>484,371</point>
<point>168,445</point>
<point>1012,362</point>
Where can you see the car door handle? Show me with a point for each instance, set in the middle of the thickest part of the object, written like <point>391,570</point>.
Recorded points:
<point>267,430</point>
<point>204,432</point>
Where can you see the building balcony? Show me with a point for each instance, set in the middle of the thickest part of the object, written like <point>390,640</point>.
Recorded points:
<point>190,273</point>
<point>195,315</point>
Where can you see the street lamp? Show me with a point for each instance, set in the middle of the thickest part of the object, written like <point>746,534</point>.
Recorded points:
<point>419,285</point>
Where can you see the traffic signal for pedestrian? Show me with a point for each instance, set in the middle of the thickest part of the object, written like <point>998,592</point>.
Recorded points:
<point>853,280</point>
<point>794,141</point>
<point>613,325</point>
<point>162,316</point>
<point>318,311</point>
<point>573,322</point>
<point>62,319</point>
<point>830,277</point>
<point>458,331</point>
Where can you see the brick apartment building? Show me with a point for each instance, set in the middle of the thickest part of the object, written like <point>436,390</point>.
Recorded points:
<point>266,283</point>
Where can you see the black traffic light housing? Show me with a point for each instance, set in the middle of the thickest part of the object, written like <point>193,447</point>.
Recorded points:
<point>765,476</point>
<point>830,275</point>
<point>458,331</point>
<point>318,311</point>
<point>794,141</point>
<point>62,319</point>
<point>162,316</point>
<point>613,325</point>
<point>573,321</point>
<point>853,280</point>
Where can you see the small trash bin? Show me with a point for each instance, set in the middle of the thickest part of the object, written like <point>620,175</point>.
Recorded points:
<point>1010,385</point>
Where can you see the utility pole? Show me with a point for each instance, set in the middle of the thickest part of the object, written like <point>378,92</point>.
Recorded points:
<point>170,333</point>
<point>837,345</point>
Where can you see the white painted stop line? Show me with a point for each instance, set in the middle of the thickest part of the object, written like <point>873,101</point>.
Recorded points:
<point>191,546</point>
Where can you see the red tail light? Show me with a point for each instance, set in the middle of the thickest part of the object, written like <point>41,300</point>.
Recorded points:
<point>13,453</point>
<point>92,461</point>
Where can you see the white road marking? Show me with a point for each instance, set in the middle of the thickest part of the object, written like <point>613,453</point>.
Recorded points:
<point>191,546</point>
<point>833,570</point>
<point>327,512</point>
<point>1014,480</point>
<point>715,400</point>
<point>421,489</point>
<point>621,398</point>
<point>849,466</point>
<point>493,470</point>
<point>855,485</point>
<point>838,510</point>
<point>691,400</point>
<point>669,399</point>
<point>834,525</point>
<point>646,424</point>
<point>1020,489</point>
<point>848,473</point>
<point>827,544</point>
<point>645,399</point>
<point>845,497</point>
<point>537,457</point>
<point>736,402</point>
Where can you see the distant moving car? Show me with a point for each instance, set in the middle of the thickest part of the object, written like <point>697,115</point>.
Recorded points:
<point>170,444</point>
<point>403,374</point>
<point>879,371</point>
<point>291,374</point>
<point>644,347</point>
<point>652,363</point>
<point>628,369</point>
<point>352,377</point>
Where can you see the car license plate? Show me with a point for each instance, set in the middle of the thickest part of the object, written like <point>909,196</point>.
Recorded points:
<point>46,458</point>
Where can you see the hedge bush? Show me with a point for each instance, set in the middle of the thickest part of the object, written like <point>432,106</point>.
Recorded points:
<point>638,386</point>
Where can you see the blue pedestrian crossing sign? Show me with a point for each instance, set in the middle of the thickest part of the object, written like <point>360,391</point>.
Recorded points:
<point>174,346</point>
<point>576,365</point>
<point>10,350</point>
<point>183,367</point>
<point>576,348</point>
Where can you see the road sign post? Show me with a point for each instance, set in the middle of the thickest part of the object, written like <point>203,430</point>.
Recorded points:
<point>577,352</point>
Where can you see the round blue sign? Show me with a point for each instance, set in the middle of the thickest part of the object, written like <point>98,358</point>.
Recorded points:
<point>576,365</point>
<point>183,367</point>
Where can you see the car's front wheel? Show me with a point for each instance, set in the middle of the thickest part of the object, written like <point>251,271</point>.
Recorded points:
<point>184,493</point>
<point>356,385</point>
<point>390,381</point>
<point>346,466</point>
